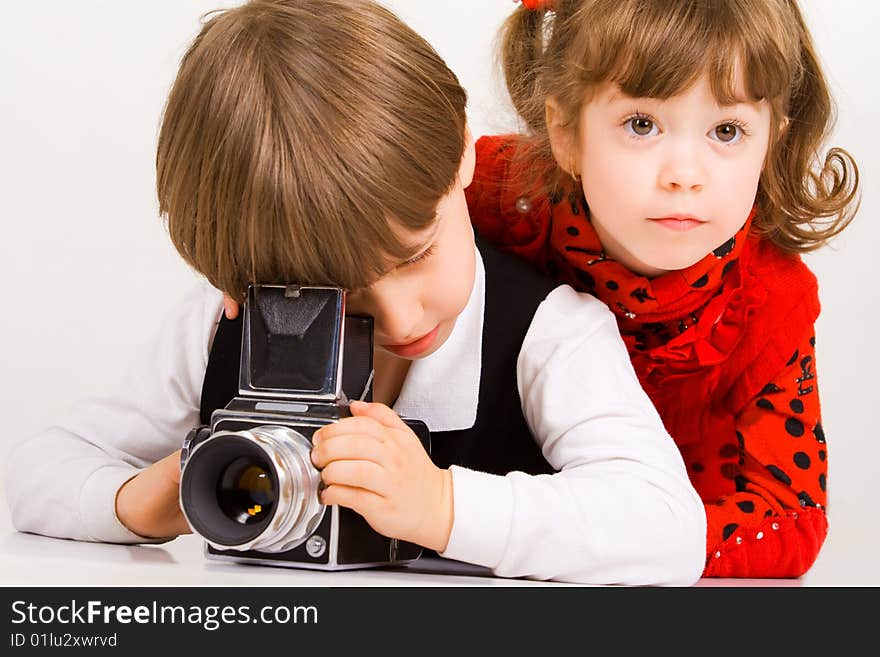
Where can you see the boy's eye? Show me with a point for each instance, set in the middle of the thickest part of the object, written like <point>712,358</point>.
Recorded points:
<point>728,133</point>
<point>424,254</point>
<point>641,126</point>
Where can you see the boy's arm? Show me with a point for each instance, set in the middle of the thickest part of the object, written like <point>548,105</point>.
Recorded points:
<point>620,509</point>
<point>63,481</point>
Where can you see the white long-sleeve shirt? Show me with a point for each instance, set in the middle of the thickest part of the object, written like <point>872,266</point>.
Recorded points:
<point>619,510</point>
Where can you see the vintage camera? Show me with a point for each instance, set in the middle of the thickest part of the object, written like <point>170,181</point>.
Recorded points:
<point>248,486</point>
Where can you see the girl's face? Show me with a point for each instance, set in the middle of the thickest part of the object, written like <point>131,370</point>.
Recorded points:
<point>416,303</point>
<point>668,181</point>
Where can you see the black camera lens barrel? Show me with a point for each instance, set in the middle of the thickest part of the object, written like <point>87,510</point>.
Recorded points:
<point>212,504</point>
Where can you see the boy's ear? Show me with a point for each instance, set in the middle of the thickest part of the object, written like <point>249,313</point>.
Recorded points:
<point>468,159</point>
<point>561,136</point>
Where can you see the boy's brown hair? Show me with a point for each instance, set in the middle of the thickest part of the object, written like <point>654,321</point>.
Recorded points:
<point>299,137</point>
<point>659,48</point>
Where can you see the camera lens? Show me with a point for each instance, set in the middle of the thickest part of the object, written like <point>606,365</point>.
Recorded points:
<point>253,489</point>
<point>245,491</point>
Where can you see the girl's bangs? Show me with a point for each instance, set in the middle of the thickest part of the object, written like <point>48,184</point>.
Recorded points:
<point>662,49</point>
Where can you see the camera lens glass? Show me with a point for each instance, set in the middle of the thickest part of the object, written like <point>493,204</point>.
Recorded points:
<point>245,491</point>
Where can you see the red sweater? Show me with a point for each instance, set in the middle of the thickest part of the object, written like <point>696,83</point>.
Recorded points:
<point>724,348</point>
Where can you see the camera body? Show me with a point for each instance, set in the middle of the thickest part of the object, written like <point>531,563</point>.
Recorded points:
<point>248,486</point>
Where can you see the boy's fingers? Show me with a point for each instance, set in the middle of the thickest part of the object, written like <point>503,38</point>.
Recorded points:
<point>347,447</point>
<point>230,307</point>
<point>356,474</point>
<point>362,501</point>
<point>366,426</point>
<point>379,412</point>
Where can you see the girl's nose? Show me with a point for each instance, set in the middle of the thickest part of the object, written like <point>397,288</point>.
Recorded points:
<point>683,170</point>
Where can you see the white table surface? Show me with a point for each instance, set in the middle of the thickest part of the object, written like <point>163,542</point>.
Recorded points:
<point>31,560</point>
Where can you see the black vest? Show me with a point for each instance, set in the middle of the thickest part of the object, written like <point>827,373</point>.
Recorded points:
<point>500,440</point>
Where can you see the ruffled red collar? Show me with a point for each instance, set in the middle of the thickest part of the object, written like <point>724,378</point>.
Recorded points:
<point>650,311</point>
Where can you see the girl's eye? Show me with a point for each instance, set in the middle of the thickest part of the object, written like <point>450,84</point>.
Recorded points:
<point>728,133</point>
<point>641,126</point>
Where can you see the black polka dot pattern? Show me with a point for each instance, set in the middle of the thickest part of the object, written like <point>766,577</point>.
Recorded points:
<point>794,427</point>
<point>727,267</point>
<point>725,248</point>
<point>573,231</point>
<point>697,467</point>
<point>729,529</point>
<point>779,474</point>
<point>586,279</point>
<point>802,460</point>
<point>728,451</point>
<point>819,433</point>
<point>701,281</point>
<point>746,506</point>
<point>766,404</point>
<point>805,499</point>
<point>612,285</point>
<point>770,388</point>
<point>822,481</point>
<point>796,405</point>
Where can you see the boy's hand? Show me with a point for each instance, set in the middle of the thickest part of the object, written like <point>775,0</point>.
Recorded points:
<point>374,464</point>
<point>149,504</point>
<point>230,307</point>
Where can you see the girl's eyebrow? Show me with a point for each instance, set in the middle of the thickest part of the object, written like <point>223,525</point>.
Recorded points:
<point>739,105</point>
<point>620,96</point>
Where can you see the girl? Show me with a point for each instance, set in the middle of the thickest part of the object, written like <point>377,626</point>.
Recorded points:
<point>671,168</point>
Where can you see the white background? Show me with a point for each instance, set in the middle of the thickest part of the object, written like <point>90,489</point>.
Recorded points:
<point>87,270</point>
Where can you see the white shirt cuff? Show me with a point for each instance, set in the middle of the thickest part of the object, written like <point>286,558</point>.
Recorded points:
<point>483,514</point>
<point>98,506</point>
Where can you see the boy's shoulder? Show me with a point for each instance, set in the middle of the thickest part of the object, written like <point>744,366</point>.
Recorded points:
<point>511,276</point>
<point>515,290</point>
<point>192,317</point>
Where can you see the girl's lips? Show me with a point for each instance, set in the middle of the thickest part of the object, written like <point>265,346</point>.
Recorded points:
<point>678,223</point>
<point>416,347</point>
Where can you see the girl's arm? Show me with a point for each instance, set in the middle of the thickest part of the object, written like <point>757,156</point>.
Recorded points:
<point>620,508</point>
<point>503,207</point>
<point>63,481</point>
<point>775,524</point>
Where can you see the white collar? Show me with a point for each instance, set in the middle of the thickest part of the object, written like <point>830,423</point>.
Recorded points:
<point>443,389</point>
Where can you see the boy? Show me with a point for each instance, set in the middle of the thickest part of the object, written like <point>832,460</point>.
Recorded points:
<point>323,142</point>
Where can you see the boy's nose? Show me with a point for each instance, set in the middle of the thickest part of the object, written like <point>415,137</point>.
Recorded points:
<point>396,316</point>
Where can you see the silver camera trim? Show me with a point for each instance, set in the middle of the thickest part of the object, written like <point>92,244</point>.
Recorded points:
<point>289,453</point>
<point>332,561</point>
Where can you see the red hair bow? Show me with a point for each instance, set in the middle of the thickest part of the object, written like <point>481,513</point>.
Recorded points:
<point>538,5</point>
